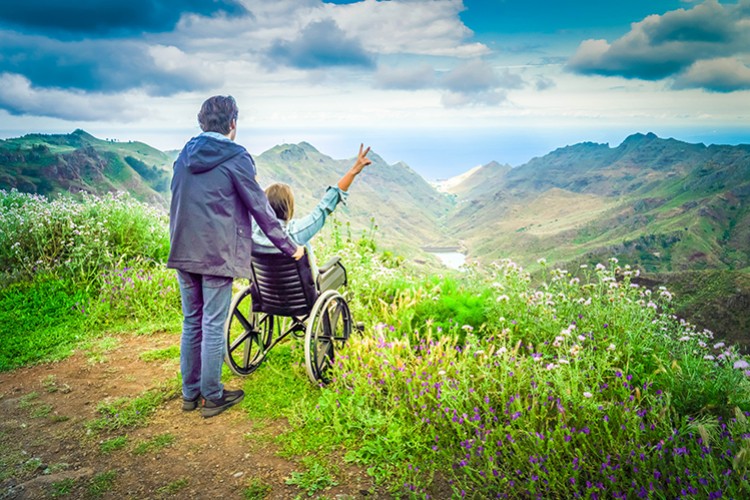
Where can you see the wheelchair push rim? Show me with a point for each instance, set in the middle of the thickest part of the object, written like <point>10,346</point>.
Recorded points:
<point>328,329</point>
<point>247,335</point>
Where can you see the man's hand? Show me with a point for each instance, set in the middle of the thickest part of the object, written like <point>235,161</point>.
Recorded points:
<point>299,253</point>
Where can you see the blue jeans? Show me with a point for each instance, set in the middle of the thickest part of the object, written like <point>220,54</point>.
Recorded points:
<point>205,307</point>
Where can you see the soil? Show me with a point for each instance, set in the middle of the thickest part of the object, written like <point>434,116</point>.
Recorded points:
<point>44,442</point>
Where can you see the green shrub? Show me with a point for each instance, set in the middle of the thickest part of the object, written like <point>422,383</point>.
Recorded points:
<point>77,239</point>
<point>70,267</point>
<point>572,389</point>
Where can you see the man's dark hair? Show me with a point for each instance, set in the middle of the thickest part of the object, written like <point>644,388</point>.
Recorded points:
<point>217,113</point>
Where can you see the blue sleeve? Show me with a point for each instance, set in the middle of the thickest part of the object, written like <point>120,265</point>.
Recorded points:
<point>302,230</point>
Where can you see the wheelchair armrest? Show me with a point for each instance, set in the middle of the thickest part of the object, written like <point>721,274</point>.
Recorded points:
<point>329,264</point>
<point>331,275</point>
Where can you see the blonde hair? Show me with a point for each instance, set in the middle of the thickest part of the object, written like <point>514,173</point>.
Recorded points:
<point>281,198</point>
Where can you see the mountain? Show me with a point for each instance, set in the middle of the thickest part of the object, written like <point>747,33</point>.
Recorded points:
<point>404,206</point>
<point>50,164</point>
<point>406,209</point>
<point>679,212</point>
<point>660,204</point>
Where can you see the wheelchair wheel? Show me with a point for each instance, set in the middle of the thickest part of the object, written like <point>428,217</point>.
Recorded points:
<point>328,329</point>
<point>247,335</point>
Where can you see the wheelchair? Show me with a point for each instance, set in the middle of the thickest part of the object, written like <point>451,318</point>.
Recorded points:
<point>284,299</point>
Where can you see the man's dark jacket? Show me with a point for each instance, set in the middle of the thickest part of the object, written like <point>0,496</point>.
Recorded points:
<point>214,193</point>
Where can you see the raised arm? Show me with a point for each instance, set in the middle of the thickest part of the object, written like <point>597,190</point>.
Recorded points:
<point>359,165</point>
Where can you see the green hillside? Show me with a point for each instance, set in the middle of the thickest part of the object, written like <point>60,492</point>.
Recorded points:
<point>486,382</point>
<point>79,162</point>
<point>406,209</point>
<point>660,204</point>
<point>678,212</point>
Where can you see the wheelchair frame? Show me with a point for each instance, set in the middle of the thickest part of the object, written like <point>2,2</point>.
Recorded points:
<point>283,299</point>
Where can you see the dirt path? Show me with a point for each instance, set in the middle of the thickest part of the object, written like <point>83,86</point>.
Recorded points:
<point>47,452</point>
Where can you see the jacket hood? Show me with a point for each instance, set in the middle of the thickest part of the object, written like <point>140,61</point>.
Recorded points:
<point>205,153</point>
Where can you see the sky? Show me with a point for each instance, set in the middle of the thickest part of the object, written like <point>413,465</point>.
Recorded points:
<point>442,85</point>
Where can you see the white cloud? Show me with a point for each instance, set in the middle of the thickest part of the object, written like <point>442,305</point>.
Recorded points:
<point>543,83</point>
<point>663,46</point>
<point>719,75</point>
<point>431,28</point>
<point>19,97</point>
<point>483,98</point>
<point>416,77</point>
<point>320,44</point>
<point>477,83</point>
<point>178,65</point>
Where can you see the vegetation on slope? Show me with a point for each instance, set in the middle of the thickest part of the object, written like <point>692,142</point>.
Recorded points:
<point>659,204</point>
<point>406,207</point>
<point>479,383</point>
<point>59,163</point>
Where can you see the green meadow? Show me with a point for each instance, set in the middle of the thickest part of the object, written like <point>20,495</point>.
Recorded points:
<point>484,383</point>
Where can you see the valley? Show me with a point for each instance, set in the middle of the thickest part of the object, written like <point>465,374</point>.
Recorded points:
<point>678,212</point>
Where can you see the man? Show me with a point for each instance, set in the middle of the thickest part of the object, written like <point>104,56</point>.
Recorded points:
<point>214,193</point>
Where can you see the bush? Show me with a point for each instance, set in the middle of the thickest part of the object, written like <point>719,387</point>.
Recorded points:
<point>572,389</point>
<point>77,239</point>
<point>71,267</point>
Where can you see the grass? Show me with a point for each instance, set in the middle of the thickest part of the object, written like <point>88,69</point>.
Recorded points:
<point>256,490</point>
<point>71,268</point>
<point>50,383</point>
<point>316,478</point>
<point>172,352</point>
<point>41,411</point>
<point>102,483</point>
<point>9,461</point>
<point>46,306</point>
<point>130,413</point>
<point>155,444</point>
<point>62,488</point>
<point>97,348</point>
<point>28,400</point>
<point>174,487</point>
<point>575,384</point>
<point>113,444</point>
<point>274,387</point>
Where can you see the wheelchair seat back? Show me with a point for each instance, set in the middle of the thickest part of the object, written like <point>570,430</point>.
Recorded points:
<point>282,286</point>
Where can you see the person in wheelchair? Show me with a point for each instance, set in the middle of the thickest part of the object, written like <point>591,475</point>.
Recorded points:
<point>302,230</point>
<point>286,297</point>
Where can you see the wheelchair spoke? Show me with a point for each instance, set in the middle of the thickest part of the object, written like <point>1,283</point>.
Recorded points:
<point>328,331</point>
<point>248,349</point>
<point>243,320</point>
<point>323,359</point>
<point>247,335</point>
